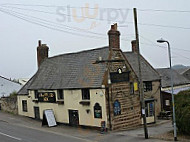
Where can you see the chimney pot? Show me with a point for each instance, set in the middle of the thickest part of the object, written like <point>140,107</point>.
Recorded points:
<point>134,46</point>
<point>39,42</point>
<point>114,37</point>
<point>42,52</point>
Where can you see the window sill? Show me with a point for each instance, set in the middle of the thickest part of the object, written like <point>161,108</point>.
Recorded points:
<point>85,102</point>
<point>61,102</point>
<point>35,100</point>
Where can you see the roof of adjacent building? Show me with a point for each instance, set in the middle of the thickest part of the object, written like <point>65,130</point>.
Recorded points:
<point>78,70</point>
<point>165,74</point>
<point>8,86</point>
<point>148,72</point>
<point>182,70</point>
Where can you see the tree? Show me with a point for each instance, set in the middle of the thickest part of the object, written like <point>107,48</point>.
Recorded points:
<point>182,104</point>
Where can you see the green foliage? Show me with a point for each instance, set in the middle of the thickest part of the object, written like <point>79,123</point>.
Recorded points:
<point>182,106</point>
<point>13,94</point>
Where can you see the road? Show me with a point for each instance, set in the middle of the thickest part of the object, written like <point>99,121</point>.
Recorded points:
<point>22,129</point>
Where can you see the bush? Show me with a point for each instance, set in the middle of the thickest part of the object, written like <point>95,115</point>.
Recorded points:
<point>13,94</point>
<point>182,106</point>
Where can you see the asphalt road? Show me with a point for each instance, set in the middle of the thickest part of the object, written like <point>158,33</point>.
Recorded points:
<point>15,128</point>
<point>13,133</point>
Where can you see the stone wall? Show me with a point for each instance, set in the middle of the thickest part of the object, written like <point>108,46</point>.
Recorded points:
<point>130,115</point>
<point>9,104</point>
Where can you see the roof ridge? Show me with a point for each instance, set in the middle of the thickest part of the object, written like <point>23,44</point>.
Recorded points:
<point>9,80</point>
<point>78,52</point>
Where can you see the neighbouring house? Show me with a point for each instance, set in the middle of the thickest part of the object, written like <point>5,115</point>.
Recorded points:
<point>151,81</point>
<point>8,86</point>
<point>23,81</point>
<point>180,83</point>
<point>93,86</point>
<point>184,71</point>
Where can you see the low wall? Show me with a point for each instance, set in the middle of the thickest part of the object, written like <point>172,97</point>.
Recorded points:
<point>9,104</point>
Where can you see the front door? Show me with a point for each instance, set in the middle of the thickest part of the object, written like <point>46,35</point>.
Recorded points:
<point>36,113</point>
<point>73,118</point>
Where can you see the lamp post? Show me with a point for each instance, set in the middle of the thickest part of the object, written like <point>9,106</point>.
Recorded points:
<point>173,104</point>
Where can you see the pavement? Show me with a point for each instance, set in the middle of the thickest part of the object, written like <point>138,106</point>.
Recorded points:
<point>14,128</point>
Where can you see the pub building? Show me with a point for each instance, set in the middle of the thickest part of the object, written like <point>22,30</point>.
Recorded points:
<point>90,87</point>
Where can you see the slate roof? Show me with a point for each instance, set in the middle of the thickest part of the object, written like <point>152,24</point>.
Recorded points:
<point>148,72</point>
<point>70,71</point>
<point>77,70</point>
<point>7,86</point>
<point>177,78</point>
<point>182,70</point>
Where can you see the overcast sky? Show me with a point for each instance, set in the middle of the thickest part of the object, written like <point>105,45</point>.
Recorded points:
<point>64,28</point>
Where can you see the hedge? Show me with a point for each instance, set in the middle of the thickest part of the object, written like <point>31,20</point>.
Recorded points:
<point>182,106</point>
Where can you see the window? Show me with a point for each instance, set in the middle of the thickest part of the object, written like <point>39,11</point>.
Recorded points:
<point>117,108</point>
<point>36,94</point>
<point>131,88</point>
<point>167,102</point>
<point>24,105</point>
<point>60,94</point>
<point>147,86</point>
<point>97,111</point>
<point>85,94</point>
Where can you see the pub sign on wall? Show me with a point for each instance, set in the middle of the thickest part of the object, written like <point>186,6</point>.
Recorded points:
<point>46,97</point>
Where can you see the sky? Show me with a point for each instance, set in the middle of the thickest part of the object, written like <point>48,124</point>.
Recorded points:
<point>70,26</point>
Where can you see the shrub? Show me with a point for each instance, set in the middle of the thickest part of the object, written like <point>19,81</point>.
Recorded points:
<point>182,106</point>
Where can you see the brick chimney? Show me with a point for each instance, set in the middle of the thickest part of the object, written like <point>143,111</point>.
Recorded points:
<point>42,52</point>
<point>134,46</point>
<point>114,37</point>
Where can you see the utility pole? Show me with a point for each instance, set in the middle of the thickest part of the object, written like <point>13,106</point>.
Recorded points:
<point>141,90</point>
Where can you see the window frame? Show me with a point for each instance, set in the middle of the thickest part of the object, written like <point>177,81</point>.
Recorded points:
<point>97,107</point>
<point>36,94</point>
<point>24,106</point>
<point>85,94</point>
<point>60,94</point>
<point>131,88</point>
<point>147,86</point>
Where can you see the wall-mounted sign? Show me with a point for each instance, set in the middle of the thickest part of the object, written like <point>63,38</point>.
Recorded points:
<point>97,111</point>
<point>46,97</point>
<point>117,108</point>
<point>119,77</point>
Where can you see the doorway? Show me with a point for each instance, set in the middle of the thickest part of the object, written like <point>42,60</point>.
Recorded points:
<point>37,113</point>
<point>73,118</point>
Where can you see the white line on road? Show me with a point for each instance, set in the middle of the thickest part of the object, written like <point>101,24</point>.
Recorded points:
<point>19,139</point>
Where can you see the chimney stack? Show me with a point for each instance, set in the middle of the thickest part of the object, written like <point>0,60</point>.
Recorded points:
<point>114,37</point>
<point>42,52</point>
<point>134,46</point>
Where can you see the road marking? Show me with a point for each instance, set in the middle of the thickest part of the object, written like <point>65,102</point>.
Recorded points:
<point>19,139</point>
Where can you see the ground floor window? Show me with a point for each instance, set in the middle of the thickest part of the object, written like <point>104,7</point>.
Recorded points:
<point>24,105</point>
<point>97,111</point>
<point>167,102</point>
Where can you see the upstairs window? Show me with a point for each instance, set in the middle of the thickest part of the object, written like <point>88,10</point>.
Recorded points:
<point>147,86</point>
<point>36,94</point>
<point>24,105</point>
<point>85,94</point>
<point>131,88</point>
<point>60,94</point>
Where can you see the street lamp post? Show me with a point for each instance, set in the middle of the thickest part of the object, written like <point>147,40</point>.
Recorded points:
<point>173,104</point>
